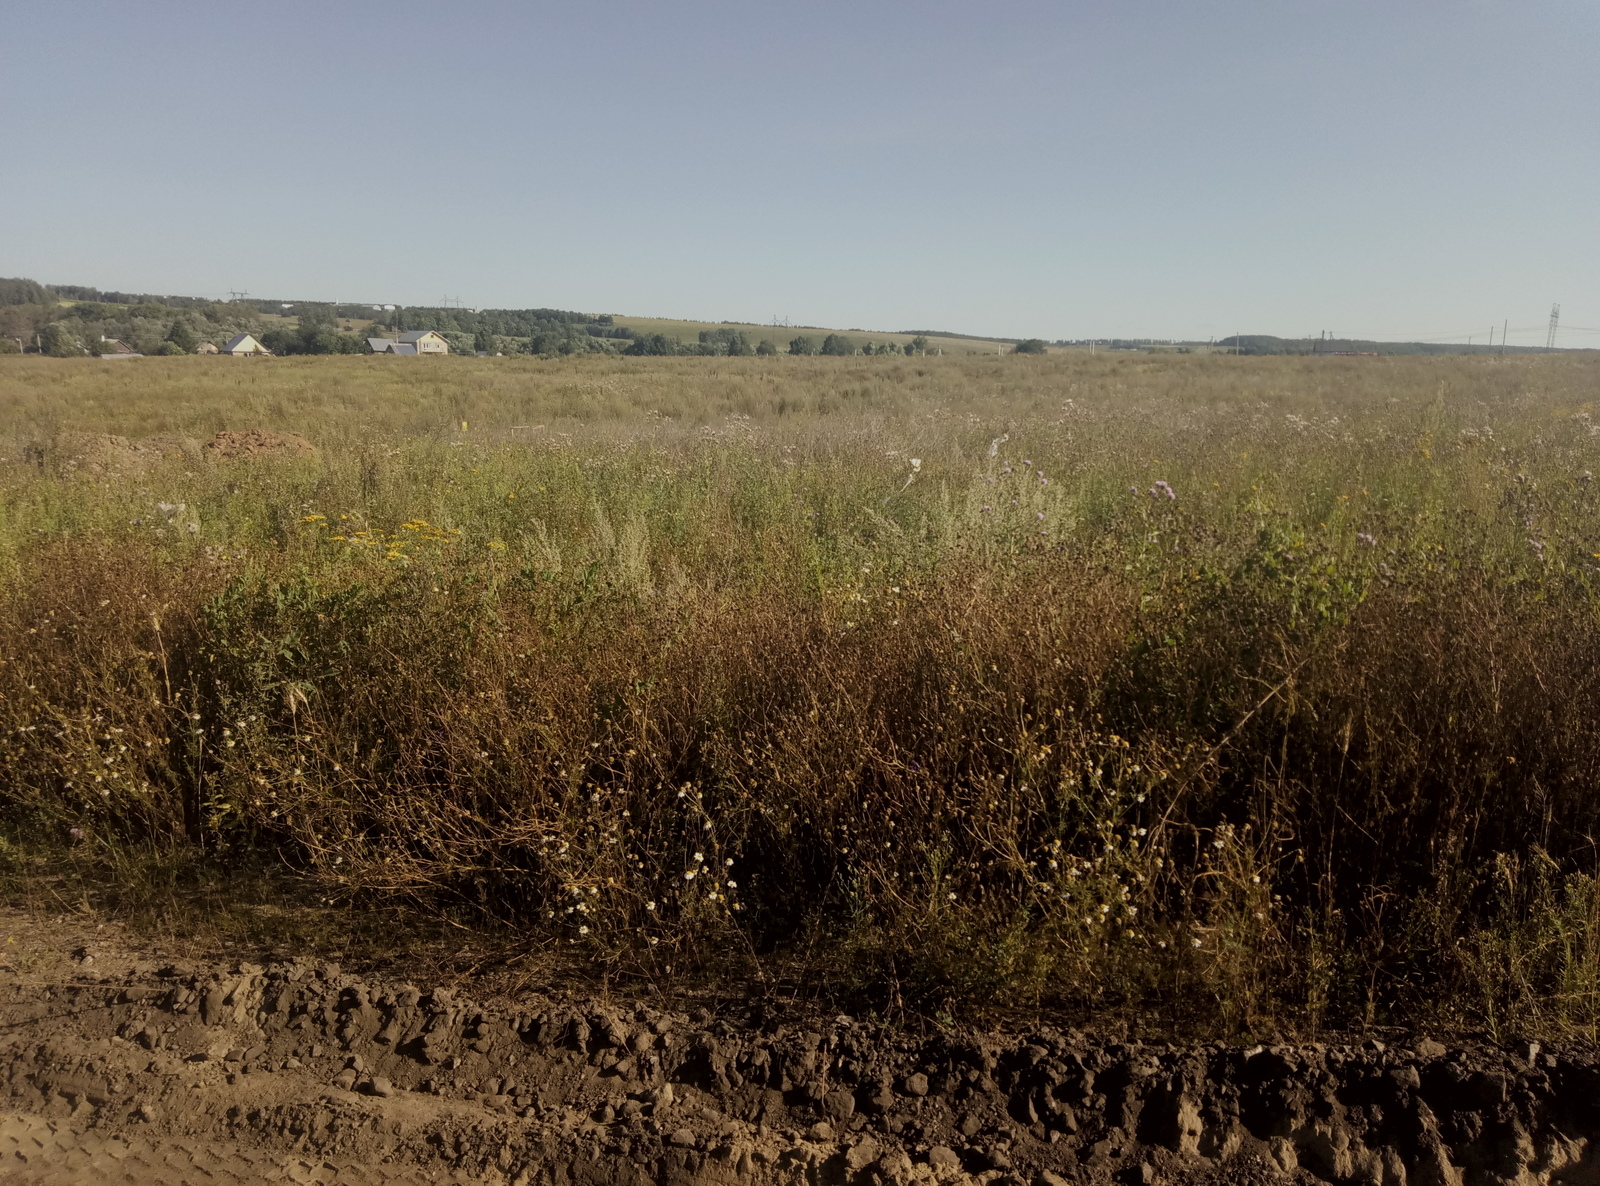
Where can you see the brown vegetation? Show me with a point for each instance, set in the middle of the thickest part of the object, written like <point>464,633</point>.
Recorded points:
<point>1223,693</point>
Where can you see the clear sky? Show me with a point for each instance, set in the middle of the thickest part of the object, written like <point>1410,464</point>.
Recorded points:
<point>1169,168</point>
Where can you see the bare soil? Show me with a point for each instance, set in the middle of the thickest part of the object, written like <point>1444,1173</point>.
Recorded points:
<point>256,443</point>
<point>122,1064</point>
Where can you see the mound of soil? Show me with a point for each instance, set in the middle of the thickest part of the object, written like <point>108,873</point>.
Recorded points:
<point>296,1071</point>
<point>101,454</point>
<point>253,443</point>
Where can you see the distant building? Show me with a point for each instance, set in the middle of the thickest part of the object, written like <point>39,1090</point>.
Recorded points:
<point>206,348</point>
<point>422,341</point>
<point>245,346</point>
<point>112,348</point>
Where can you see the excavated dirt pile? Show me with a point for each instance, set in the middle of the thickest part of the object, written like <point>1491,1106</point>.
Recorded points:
<point>299,1072</point>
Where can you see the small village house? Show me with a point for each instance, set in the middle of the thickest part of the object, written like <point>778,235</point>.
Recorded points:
<point>423,341</point>
<point>112,348</point>
<point>206,348</point>
<point>245,346</point>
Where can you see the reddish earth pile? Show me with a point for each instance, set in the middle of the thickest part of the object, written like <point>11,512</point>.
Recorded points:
<point>251,443</point>
<point>299,1072</point>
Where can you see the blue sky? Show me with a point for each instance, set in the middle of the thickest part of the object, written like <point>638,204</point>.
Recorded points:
<point>1177,169</point>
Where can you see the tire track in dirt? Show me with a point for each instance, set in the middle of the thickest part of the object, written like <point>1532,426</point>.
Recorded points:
<point>39,1152</point>
<point>116,1069</point>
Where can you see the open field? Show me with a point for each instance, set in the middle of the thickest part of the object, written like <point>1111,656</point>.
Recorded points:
<point>1220,695</point>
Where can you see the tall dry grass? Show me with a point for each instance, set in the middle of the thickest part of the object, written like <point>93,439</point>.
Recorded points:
<point>1234,693</point>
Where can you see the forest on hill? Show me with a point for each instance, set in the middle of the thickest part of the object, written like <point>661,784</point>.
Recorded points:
<point>68,320</point>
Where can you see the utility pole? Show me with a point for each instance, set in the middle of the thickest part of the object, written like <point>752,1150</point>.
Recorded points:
<point>1503,325</point>
<point>1550,338</point>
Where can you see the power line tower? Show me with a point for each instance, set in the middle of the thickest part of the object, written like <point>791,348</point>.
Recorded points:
<point>236,296</point>
<point>1550,338</point>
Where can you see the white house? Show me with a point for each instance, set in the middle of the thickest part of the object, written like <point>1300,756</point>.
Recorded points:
<point>422,341</point>
<point>245,346</point>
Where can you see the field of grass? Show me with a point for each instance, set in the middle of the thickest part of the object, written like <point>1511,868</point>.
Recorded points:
<point>1237,695</point>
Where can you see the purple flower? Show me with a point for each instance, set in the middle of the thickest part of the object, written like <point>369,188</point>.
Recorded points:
<point>1039,515</point>
<point>1363,538</point>
<point>984,510</point>
<point>75,833</point>
<point>1162,488</point>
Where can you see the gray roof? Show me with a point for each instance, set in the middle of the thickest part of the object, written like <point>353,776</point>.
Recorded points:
<point>403,348</point>
<point>379,345</point>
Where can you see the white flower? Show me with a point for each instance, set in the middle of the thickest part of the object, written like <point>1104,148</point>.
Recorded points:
<point>688,874</point>
<point>583,930</point>
<point>728,864</point>
<point>649,905</point>
<point>699,856</point>
<point>916,464</point>
<point>732,884</point>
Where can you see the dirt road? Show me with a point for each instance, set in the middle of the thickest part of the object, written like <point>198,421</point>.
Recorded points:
<point>121,1068</point>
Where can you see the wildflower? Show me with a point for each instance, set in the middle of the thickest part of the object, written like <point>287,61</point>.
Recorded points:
<point>700,856</point>
<point>728,864</point>
<point>1195,942</point>
<point>1162,488</point>
<point>649,905</point>
<point>916,464</point>
<point>951,896</point>
<point>583,930</point>
<point>688,874</point>
<point>1365,540</point>
<point>732,884</point>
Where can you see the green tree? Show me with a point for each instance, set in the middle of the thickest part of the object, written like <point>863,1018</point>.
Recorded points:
<point>183,337</point>
<point>919,345</point>
<point>837,345</point>
<point>1030,346</point>
<point>725,341</point>
<point>653,344</point>
<point>766,346</point>
<point>162,348</point>
<point>802,345</point>
<point>59,342</point>
<point>317,317</point>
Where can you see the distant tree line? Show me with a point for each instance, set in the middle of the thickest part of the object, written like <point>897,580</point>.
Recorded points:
<point>67,320</point>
